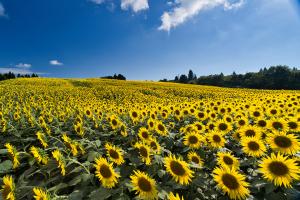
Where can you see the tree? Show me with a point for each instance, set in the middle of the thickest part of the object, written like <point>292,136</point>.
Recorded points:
<point>121,77</point>
<point>191,75</point>
<point>183,78</point>
<point>176,79</point>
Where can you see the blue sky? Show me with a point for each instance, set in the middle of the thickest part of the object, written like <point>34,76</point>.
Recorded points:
<point>147,39</point>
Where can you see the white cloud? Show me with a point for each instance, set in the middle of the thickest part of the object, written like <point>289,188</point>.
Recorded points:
<point>97,1</point>
<point>23,65</point>
<point>186,9</point>
<point>15,70</point>
<point>55,62</point>
<point>135,5</point>
<point>2,10</point>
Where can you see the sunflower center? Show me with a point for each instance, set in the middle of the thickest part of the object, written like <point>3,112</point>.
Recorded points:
<point>144,184</point>
<point>88,112</point>
<point>199,127</point>
<point>134,114</point>
<point>278,168</point>
<point>230,181</point>
<point>143,152</point>
<point>242,122</point>
<point>195,159</point>
<point>250,133</point>
<point>254,146</point>
<point>145,134</point>
<point>177,168</point>
<point>256,114</point>
<point>78,129</point>
<point>211,126</point>
<point>227,160</point>
<point>161,127</point>
<point>223,126</point>
<point>114,122</point>
<point>273,112</point>
<point>193,139</point>
<point>114,154</point>
<point>217,138</point>
<point>200,115</point>
<point>277,125</point>
<point>282,141</point>
<point>105,171</point>
<point>153,145</point>
<point>262,123</point>
<point>293,125</point>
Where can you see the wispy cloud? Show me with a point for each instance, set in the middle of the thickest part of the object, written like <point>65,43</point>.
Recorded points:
<point>184,10</point>
<point>55,63</point>
<point>97,1</point>
<point>15,70</point>
<point>23,65</point>
<point>135,5</point>
<point>2,10</point>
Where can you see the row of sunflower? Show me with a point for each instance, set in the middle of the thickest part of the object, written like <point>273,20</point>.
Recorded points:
<point>107,139</point>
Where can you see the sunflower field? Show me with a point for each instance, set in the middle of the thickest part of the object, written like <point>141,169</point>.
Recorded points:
<point>106,139</point>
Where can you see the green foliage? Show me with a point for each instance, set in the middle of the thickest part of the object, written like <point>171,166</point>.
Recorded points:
<point>276,77</point>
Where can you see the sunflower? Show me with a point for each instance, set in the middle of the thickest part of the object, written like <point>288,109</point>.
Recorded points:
<point>13,154</point>
<point>250,131</point>
<point>144,185</point>
<point>273,112</point>
<point>79,129</point>
<point>42,138</point>
<point>216,139</point>
<point>2,126</point>
<point>57,155</point>
<point>105,173</point>
<point>210,126</point>
<point>284,143</point>
<point>144,151</point>
<point>228,118</point>
<point>40,155</point>
<point>293,124</point>
<point>225,159</point>
<point>144,134</point>
<point>278,124</point>
<point>161,129</point>
<point>135,116</point>
<point>193,140</point>
<point>114,122</point>
<point>114,153</point>
<point>280,170</point>
<point>40,194</point>
<point>175,196</point>
<point>72,145</point>
<point>88,112</point>
<point>179,170</point>
<point>253,146</point>
<point>242,121</point>
<point>151,124</point>
<point>223,126</point>
<point>261,122</point>
<point>255,113</point>
<point>8,188</point>
<point>195,158</point>
<point>231,182</point>
<point>123,130</point>
<point>199,126</point>
<point>154,145</point>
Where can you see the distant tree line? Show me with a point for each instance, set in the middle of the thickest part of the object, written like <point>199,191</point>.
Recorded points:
<point>275,77</point>
<point>115,76</point>
<point>11,75</point>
